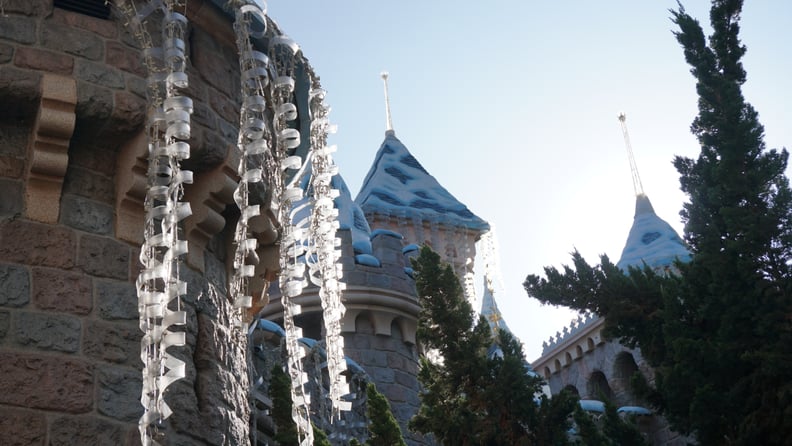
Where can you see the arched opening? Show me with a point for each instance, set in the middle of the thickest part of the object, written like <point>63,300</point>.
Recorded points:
<point>396,330</point>
<point>557,365</point>
<point>579,351</point>
<point>571,389</point>
<point>547,372</point>
<point>364,324</point>
<point>597,387</point>
<point>590,344</point>
<point>568,357</point>
<point>624,368</point>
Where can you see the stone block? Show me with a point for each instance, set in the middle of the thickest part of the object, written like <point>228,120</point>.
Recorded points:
<point>405,379</point>
<point>46,331</point>
<point>103,257</point>
<point>87,215</point>
<point>12,200</point>
<point>89,184</point>
<point>137,86</point>
<point>113,342</point>
<point>71,40</point>
<point>20,85</point>
<point>99,74</point>
<point>94,103</point>
<point>15,291</point>
<point>215,68</point>
<point>124,58</point>
<point>373,358</point>
<point>14,135</point>
<point>116,300</point>
<point>23,241</point>
<point>382,375</point>
<point>104,28</point>
<point>94,155</point>
<point>46,382</point>
<point>84,430</point>
<point>6,53</point>
<point>38,59</point>
<point>62,291</point>
<point>129,113</point>
<point>11,167</point>
<point>224,107</point>
<point>5,322</point>
<point>19,29</point>
<point>118,393</point>
<point>22,427</point>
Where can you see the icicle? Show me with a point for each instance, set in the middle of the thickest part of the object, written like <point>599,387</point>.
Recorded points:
<point>158,286</point>
<point>292,277</point>
<point>324,255</point>
<point>254,149</point>
<point>489,253</point>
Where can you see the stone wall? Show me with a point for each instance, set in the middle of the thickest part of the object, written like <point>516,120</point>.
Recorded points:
<point>72,90</point>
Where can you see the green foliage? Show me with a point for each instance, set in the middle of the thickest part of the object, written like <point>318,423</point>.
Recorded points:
<point>473,398</point>
<point>285,429</point>
<point>383,428</point>
<point>719,332</point>
<point>280,393</point>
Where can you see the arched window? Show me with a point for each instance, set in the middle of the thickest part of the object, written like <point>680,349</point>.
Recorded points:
<point>598,388</point>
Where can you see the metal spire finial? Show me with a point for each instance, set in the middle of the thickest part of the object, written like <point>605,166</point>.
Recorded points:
<point>633,167</point>
<point>389,123</point>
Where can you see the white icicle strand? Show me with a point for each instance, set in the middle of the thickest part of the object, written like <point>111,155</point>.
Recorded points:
<point>489,253</point>
<point>158,285</point>
<point>325,271</point>
<point>292,277</point>
<point>254,150</point>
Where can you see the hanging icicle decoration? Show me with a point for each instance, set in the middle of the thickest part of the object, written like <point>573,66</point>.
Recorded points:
<point>158,286</point>
<point>283,51</point>
<point>468,274</point>
<point>325,271</point>
<point>489,254</point>
<point>253,146</point>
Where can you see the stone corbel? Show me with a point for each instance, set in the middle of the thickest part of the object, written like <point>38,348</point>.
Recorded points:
<point>208,196</point>
<point>49,148</point>
<point>131,184</point>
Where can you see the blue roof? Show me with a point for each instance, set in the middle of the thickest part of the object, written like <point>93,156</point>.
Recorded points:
<point>652,240</point>
<point>397,184</point>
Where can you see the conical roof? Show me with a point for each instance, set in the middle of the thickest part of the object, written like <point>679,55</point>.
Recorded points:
<point>397,184</point>
<point>652,240</point>
<point>490,311</point>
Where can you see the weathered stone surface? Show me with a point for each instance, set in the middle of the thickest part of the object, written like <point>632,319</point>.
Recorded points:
<point>46,331</point>
<point>103,257</point>
<point>84,430</point>
<point>6,53</point>
<point>116,300</point>
<point>38,59</point>
<point>129,113</point>
<point>15,289</point>
<point>223,106</point>
<point>118,394</point>
<point>93,102</point>
<point>138,86</point>
<point>22,427</point>
<point>99,74</point>
<point>62,291</point>
<point>11,167</point>
<point>11,198</point>
<point>105,28</point>
<point>87,215</point>
<point>216,69</point>
<point>115,342</point>
<point>5,322</point>
<point>23,241</point>
<point>124,58</point>
<point>19,29</point>
<point>27,7</point>
<point>93,155</point>
<point>14,135</point>
<point>72,40</point>
<point>45,382</point>
<point>89,184</point>
<point>20,85</point>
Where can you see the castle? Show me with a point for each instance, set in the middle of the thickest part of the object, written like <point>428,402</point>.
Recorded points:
<point>73,186</point>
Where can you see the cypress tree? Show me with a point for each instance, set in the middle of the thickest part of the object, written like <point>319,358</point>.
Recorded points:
<point>719,332</point>
<point>383,428</point>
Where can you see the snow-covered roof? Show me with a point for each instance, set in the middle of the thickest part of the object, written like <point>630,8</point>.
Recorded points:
<point>397,184</point>
<point>652,240</point>
<point>490,311</point>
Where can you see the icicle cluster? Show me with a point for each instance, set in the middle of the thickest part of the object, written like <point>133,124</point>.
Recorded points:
<point>489,253</point>
<point>253,144</point>
<point>292,246</point>
<point>325,271</point>
<point>159,288</point>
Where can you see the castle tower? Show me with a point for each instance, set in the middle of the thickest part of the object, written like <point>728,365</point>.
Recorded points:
<point>398,194</point>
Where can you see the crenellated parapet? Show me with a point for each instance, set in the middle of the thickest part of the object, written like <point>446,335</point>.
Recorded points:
<point>581,336</point>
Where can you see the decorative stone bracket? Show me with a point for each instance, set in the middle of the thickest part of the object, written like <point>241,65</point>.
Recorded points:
<point>48,153</point>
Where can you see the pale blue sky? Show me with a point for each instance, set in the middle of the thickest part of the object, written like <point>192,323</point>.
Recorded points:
<point>512,106</point>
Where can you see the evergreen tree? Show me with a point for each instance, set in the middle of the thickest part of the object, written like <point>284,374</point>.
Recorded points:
<point>719,331</point>
<point>383,428</point>
<point>473,397</point>
<point>285,429</point>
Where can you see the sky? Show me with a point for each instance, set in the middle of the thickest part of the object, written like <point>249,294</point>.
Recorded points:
<point>513,105</point>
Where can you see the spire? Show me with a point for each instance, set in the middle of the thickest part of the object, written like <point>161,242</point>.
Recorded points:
<point>389,123</point>
<point>633,167</point>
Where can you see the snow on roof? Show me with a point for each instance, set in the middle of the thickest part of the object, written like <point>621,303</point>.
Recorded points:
<point>490,311</point>
<point>652,240</point>
<point>397,184</point>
